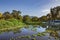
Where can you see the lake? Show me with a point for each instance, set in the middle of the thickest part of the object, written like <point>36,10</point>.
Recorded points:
<point>28,33</point>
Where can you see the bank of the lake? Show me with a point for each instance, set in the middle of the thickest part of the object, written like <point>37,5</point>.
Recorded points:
<point>10,24</point>
<point>29,33</point>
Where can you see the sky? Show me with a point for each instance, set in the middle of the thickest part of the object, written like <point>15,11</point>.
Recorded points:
<point>29,7</point>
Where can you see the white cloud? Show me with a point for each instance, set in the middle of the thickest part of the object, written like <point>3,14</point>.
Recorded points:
<point>45,11</point>
<point>56,0</point>
<point>46,8</point>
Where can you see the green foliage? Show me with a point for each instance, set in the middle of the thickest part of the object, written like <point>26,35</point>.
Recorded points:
<point>55,13</point>
<point>4,23</point>
<point>0,14</point>
<point>26,18</point>
<point>43,18</point>
<point>34,35</point>
<point>33,39</point>
<point>7,15</point>
<point>14,21</point>
<point>10,23</point>
<point>41,34</point>
<point>28,36</point>
<point>33,23</point>
<point>35,19</point>
<point>16,14</point>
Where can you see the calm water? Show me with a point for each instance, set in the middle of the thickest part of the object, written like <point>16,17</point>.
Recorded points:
<point>30,30</point>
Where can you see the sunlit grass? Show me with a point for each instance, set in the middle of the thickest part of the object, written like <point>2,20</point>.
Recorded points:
<point>11,24</point>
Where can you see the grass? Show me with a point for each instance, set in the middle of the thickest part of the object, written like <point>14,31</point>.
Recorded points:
<point>10,24</point>
<point>12,38</point>
<point>28,36</point>
<point>33,39</point>
<point>34,35</point>
<point>40,34</point>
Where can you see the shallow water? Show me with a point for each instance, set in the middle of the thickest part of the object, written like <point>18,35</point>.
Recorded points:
<point>27,31</point>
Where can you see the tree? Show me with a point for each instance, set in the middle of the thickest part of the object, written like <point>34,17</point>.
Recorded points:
<point>1,15</point>
<point>55,11</point>
<point>43,18</point>
<point>20,18</point>
<point>34,19</point>
<point>26,18</point>
<point>7,15</point>
<point>48,16</point>
<point>16,14</point>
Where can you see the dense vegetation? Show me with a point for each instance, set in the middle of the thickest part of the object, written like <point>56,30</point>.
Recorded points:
<point>14,18</point>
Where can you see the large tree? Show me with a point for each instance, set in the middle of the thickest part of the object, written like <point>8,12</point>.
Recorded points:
<point>48,17</point>
<point>34,19</point>
<point>26,18</point>
<point>20,18</point>
<point>43,18</point>
<point>16,14</point>
<point>1,16</point>
<point>7,15</point>
<point>55,12</point>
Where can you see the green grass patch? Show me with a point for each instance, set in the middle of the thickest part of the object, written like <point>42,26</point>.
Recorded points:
<point>10,24</point>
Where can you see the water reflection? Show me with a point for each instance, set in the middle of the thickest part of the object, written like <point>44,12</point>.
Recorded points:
<point>54,31</point>
<point>30,30</point>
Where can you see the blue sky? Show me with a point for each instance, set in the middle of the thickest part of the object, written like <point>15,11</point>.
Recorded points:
<point>29,7</point>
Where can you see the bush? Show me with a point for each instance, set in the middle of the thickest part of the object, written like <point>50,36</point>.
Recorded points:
<point>14,21</point>
<point>4,23</point>
<point>10,23</point>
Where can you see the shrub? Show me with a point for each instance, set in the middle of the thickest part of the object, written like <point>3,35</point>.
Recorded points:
<point>4,23</point>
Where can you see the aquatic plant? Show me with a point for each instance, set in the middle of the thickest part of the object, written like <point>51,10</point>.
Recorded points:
<point>22,37</point>
<point>28,36</point>
<point>33,39</point>
<point>34,35</point>
<point>18,37</point>
<point>40,34</point>
<point>12,38</point>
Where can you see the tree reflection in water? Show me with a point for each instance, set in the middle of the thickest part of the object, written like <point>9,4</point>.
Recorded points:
<point>53,30</point>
